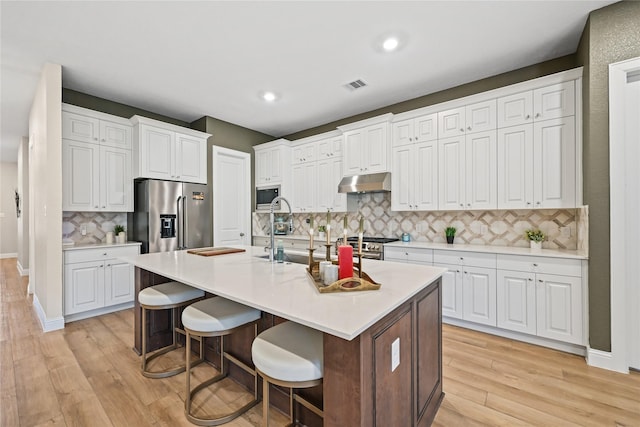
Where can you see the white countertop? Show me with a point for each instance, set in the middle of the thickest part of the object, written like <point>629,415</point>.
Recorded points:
<point>287,291</point>
<point>506,250</point>
<point>97,246</point>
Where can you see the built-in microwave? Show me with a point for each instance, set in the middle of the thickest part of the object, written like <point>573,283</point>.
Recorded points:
<point>264,197</point>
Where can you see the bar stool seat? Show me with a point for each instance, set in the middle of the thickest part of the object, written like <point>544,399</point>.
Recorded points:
<point>217,317</point>
<point>170,295</point>
<point>289,355</point>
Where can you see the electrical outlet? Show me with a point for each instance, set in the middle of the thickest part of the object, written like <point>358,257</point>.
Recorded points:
<point>395,354</point>
<point>83,229</point>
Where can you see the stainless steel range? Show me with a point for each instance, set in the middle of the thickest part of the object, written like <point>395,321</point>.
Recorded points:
<point>371,246</point>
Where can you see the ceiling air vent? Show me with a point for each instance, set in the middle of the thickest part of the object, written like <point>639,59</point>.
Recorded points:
<point>356,84</point>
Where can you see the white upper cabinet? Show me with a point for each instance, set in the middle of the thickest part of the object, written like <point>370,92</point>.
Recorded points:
<point>366,148</point>
<point>414,177</point>
<point>273,161</point>
<point>165,151</point>
<point>515,167</point>
<point>304,153</point>
<point>478,117</point>
<point>549,102</point>
<point>467,172</point>
<point>304,184</point>
<point>410,131</point>
<point>96,160</point>
<point>93,127</point>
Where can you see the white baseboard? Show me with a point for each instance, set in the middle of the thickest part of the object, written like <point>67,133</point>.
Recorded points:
<point>97,312</point>
<point>9,255</point>
<point>47,324</point>
<point>29,287</point>
<point>604,360</point>
<point>22,271</point>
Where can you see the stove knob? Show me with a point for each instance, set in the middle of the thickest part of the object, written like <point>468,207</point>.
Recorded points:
<point>374,247</point>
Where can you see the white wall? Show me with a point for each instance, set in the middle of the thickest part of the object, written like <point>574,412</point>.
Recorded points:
<point>45,192</point>
<point>8,220</point>
<point>23,221</point>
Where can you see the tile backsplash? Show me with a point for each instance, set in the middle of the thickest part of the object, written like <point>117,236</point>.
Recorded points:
<point>495,228</point>
<point>96,223</point>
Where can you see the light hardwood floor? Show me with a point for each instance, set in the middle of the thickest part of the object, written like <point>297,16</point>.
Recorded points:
<point>87,375</point>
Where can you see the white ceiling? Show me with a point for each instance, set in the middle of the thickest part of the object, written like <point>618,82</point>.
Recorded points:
<point>190,59</point>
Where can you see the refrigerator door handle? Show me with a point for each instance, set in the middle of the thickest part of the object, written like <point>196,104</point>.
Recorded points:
<point>184,222</point>
<point>178,223</point>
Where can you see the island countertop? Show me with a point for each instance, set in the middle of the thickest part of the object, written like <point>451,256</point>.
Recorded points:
<point>287,291</point>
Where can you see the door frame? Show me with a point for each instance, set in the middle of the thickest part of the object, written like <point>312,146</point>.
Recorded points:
<point>621,266</point>
<point>246,158</point>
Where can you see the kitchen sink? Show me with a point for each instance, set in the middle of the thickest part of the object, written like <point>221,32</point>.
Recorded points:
<point>291,258</point>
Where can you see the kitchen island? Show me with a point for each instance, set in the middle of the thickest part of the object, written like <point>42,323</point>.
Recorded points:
<point>382,349</point>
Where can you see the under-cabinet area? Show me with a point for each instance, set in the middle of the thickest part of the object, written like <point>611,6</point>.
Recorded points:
<point>513,292</point>
<point>96,281</point>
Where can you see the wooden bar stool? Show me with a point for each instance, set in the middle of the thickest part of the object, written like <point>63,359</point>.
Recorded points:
<point>170,295</point>
<point>288,355</point>
<point>217,317</point>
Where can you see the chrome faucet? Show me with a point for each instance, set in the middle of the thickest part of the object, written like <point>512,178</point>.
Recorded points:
<point>272,220</point>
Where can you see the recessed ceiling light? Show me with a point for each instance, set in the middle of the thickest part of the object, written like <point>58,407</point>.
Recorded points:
<point>269,96</point>
<point>390,44</point>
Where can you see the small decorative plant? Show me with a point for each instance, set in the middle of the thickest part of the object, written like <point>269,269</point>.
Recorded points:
<point>117,229</point>
<point>450,232</point>
<point>535,235</point>
<point>321,229</point>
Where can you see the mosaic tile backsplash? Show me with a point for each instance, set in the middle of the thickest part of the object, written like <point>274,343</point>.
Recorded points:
<point>495,228</point>
<point>96,223</point>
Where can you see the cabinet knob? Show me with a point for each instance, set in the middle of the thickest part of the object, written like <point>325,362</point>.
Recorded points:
<point>108,265</point>
<point>461,259</point>
<point>104,207</point>
<point>535,265</point>
<point>461,129</point>
<point>457,271</point>
<point>469,204</point>
<point>540,280</point>
<point>530,279</point>
<point>538,115</point>
<point>241,234</point>
<point>96,206</point>
<point>104,254</point>
<point>461,205</point>
<point>528,203</point>
<point>104,140</point>
<point>538,203</point>
<point>469,128</point>
<point>95,139</point>
<point>527,117</point>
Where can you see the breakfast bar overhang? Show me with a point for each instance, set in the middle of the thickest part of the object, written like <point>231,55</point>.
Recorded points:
<point>382,348</point>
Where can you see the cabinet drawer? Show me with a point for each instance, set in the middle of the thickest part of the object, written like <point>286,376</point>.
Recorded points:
<point>99,254</point>
<point>561,266</point>
<point>395,254</point>
<point>473,259</point>
<point>419,255</point>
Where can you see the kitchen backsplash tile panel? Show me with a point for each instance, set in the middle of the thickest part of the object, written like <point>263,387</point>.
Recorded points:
<point>96,223</point>
<point>496,228</point>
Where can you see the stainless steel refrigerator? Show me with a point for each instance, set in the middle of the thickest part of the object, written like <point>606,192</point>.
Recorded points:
<point>170,216</point>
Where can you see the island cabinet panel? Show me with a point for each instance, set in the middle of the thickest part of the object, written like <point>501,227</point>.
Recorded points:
<point>361,388</point>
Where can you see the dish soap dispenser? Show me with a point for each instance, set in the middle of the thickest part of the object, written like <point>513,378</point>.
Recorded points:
<point>280,252</point>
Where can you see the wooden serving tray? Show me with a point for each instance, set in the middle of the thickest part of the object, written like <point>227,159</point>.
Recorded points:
<point>355,283</point>
<point>214,251</point>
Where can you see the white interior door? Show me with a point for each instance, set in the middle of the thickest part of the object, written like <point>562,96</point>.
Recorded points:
<point>632,136</point>
<point>624,153</point>
<point>231,183</point>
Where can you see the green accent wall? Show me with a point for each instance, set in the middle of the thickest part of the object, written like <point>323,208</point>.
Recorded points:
<point>523,74</point>
<point>611,35</point>
<point>114,108</point>
<point>228,135</point>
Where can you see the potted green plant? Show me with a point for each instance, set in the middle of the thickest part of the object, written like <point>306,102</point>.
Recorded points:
<point>535,237</point>
<point>450,232</point>
<point>118,230</point>
<point>321,231</point>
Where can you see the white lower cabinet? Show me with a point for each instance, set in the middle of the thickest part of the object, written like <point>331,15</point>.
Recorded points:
<point>95,279</point>
<point>451,291</point>
<point>479,295</point>
<point>541,296</point>
<point>410,255</point>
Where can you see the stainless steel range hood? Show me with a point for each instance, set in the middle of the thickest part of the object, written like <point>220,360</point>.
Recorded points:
<point>370,183</point>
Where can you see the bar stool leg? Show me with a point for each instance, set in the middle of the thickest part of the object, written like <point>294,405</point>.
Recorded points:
<point>292,416</point>
<point>265,402</point>
<point>144,339</point>
<point>187,402</point>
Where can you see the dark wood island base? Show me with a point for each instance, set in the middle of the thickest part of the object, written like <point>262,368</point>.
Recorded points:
<point>361,387</point>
